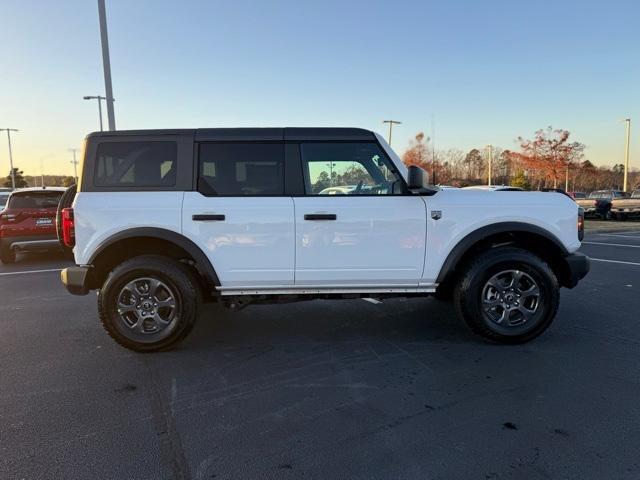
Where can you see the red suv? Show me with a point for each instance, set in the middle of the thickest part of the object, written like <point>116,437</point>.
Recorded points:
<point>28,222</point>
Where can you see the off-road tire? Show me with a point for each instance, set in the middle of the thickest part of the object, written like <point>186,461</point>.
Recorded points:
<point>169,271</point>
<point>468,294</point>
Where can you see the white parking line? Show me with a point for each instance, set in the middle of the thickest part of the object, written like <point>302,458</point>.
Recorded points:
<point>30,271</point>
<point>637,237</point>
<point>611,244</point>
<point>614,261</point>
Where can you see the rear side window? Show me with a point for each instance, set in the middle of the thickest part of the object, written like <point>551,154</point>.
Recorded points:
<point>136,164</point>
<point>35,200</point>
<point>241,169</point>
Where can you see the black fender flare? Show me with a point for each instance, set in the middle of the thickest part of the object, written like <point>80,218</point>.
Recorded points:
<point>202,261</point>
<point>477,235</point>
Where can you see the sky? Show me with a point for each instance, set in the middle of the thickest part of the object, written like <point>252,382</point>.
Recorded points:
<point>469,73</point>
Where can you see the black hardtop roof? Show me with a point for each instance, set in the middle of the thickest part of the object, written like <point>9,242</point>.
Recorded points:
<point>250,134</point>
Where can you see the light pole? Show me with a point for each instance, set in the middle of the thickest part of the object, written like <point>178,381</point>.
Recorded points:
<point>490,148</point>
<point>627,124</point>
<point>391,124</point>
<point>99,98</point>
<point>13,174</point>
<point>106,64</point>
<point>75,163</point>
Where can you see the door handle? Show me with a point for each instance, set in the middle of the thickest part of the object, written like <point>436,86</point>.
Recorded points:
<point>206,217</point>
<point>320,216</point>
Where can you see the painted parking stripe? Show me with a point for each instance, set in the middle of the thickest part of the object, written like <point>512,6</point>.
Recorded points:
<point>611,244</point>
<point>613,261</point>
<point>636,237</point>
<point>30,271</point>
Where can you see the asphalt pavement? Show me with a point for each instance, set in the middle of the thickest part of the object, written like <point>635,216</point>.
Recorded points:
<point>324,389</point>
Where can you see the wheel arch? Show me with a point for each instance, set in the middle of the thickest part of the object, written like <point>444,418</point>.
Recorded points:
<point>531,237</point>
<point>148,240</point>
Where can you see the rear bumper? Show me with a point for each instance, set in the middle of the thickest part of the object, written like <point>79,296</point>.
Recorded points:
<point>76,279</point>
<point>31,243</point>
<point>578,265</point>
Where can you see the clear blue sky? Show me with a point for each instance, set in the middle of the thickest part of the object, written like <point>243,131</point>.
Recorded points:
<point>487,71</point>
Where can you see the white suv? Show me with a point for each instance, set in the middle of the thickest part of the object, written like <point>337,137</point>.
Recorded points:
<point>165,219</point>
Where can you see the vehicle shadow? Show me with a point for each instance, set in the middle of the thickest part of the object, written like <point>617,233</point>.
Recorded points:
<point>319,321</point>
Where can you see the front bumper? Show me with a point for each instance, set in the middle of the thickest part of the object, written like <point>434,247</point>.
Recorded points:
<point>578,265</point>
<point>76,279</point>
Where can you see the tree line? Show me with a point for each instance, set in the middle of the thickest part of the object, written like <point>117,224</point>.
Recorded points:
<point>23,180</point>
<point>549,159</point>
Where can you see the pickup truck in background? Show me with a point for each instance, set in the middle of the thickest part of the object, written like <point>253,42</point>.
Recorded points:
<point>623,208</point>
<point>598,203</point>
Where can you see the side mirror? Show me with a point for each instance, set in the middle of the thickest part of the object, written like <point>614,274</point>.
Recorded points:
<point>417,178</point>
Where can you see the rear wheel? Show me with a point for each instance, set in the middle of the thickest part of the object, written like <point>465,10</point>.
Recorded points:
<point>7,256</point>
<point>149,303</point>
<point>508,295</point>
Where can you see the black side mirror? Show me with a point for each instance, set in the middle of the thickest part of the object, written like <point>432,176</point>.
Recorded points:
<point>417,178</point>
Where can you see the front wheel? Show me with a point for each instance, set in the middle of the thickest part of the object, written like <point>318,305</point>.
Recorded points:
<point>149,303</point>
<point>508,295</point>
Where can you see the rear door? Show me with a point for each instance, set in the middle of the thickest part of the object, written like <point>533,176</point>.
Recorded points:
<point>240,215</point>
<point>356,224</point>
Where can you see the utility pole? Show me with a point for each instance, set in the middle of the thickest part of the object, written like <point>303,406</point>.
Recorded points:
<point>13,174</point>
<point>106,64</point>
<point>627,122</point>
<point>391,124</point>
<point>75,163</point>
<point>99,98</point>
<point>566,179</point>
<point>490,147</point>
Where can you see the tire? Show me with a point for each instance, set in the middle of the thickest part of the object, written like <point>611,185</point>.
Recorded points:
<point>126,307</point>
<point>7,256</point>
<point>504,313</point>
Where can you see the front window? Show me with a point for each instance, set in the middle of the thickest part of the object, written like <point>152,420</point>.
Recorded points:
<point>348,169</point>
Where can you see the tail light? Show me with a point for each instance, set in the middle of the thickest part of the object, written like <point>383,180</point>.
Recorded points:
<point>580,223</point>
<point>68,227</point>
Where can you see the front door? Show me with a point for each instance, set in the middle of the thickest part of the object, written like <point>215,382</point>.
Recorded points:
<point>240,217</point>
<point>356,225</point>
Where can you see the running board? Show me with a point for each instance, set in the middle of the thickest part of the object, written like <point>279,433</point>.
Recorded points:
<point>314,290</point>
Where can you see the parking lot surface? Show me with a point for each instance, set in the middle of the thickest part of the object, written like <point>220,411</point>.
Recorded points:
<point>324,389</point>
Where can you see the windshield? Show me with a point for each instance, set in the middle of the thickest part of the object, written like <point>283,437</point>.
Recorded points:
<point>635,194</point>
<point>35,200</point>
<point>600,194</point>
<point>579,195</point>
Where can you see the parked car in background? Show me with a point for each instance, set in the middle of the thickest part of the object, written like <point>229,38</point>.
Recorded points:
<point>495,188</point>
<point>28,222</point>
<point>578,195</point>
<point>622,208</point>
<point>598,203</point>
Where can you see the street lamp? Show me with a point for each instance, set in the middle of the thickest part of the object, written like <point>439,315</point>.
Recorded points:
<point>106,64</point>
<point>490,148</point>
<point>627,125</point>
<point>99,98</point>
<point>13,174</point>
<point>75,163</point>
<point>391,124</point>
